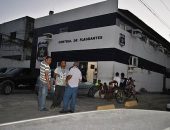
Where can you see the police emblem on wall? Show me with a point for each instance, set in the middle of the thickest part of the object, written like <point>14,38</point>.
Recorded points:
<point>42,50</point>
<point>122,40</point>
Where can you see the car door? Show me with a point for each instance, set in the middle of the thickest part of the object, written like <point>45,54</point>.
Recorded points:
<point>24,78</point>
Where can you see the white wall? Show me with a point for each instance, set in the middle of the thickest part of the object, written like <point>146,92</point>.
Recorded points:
<point>139,48</point>
<point>105,71</point>
<point>101,8</point>
<point>151,81</point>
<point>110,39</point>
<point>14,63</point>
<point>106,41</point>
<point>90,72</point>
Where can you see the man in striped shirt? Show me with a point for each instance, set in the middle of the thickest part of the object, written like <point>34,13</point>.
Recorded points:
<point>44,86</point>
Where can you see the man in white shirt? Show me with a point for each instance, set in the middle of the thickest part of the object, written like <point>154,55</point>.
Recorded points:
<point>60,74</point>
<point>73,79</point>
<point>117,78</point>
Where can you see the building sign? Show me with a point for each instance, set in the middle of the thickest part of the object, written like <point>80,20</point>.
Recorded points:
<point>81,39</point>
<point>122,40</point>
<point>42,50</point>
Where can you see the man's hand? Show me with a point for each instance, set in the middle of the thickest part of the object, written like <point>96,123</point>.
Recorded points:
<point>49,87</point>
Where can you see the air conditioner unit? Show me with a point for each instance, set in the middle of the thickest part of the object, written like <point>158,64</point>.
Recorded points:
<point>137,33</point>
<point>153,43</point>
<point>165,51</point>
<point>130,69</point>
<point>128,28</point>
<point>133,61</point>
<point>160,48</point>
<point>48,36</point>
<point>144,38</point>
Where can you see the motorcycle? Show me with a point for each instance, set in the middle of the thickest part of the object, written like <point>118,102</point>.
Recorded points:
<point>127,92</point>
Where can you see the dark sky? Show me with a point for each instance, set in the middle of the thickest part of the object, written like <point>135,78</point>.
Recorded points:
<point>12,9</point>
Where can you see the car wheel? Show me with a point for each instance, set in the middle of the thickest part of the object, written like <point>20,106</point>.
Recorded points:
<point>7,88</point>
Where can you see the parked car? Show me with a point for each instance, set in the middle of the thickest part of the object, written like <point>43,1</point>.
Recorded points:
<point>18,78</point>
<point>5,69</point>
<point>85,88</point>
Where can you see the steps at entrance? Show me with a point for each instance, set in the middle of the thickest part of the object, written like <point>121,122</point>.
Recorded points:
<point>129,104</point>
<point>106,107</point>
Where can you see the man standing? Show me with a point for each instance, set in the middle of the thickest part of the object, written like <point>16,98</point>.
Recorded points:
<point>117,79</point>
<point>44,86</point>
<point>60,75</point>
<point>73,79</point>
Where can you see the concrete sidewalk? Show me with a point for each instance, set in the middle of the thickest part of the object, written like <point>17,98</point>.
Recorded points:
<point>116,119</point>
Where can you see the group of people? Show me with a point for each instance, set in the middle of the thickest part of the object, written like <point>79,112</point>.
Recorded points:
<point>66,85</point>
<point>106,91</point>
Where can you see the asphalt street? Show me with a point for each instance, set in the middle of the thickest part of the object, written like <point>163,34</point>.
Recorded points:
<point>23,105</point>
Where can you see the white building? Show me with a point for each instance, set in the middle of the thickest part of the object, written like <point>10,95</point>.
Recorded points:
<point>15,42</point>
<point>105,38</point>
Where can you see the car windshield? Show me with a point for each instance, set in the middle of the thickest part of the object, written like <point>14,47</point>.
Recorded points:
<point>2,70</point>
<point>5,70</point>
<point>11,71</point>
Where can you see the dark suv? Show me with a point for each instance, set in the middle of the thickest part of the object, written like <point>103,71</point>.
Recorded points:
<point>18,78</point>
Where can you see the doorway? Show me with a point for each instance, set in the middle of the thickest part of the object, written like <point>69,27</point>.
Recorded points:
<point>89,71</point>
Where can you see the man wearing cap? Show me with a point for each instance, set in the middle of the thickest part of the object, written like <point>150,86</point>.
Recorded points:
<point>73,79</point>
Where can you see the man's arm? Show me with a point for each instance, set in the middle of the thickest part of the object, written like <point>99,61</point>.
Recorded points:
<point>80,78</point>
<point>68,78</point>
<point>56,73</point>
<point>47,79</point>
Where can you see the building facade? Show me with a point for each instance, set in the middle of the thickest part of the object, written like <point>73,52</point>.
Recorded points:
<point>16,42</point>
<point>105,40</point>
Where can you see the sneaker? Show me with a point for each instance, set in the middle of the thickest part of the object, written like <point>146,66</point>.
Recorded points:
<point>71,111</point>
<point>62,111</point>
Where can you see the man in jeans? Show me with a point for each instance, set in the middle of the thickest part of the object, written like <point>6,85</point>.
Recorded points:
<point>44,86</point>
<point>60,75</point>
<point>73,79</point>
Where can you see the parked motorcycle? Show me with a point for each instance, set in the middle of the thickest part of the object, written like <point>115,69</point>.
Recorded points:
<point>127,92</point>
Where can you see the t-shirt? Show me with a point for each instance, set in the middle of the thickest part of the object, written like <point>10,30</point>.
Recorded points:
<point>44,67</point>
<point>117,79</point>
<point>61,79</point>
<point>123,82</point>
<point>76,77</point>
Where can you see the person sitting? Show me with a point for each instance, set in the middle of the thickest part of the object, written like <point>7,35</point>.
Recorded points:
<point>103,90</point>
<point>116,80</point>
<point>105,87</point>
<point>110,91</point>
<point>98,83</point>
<point>130,85</point>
